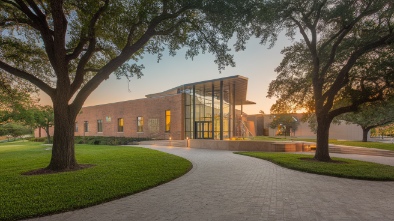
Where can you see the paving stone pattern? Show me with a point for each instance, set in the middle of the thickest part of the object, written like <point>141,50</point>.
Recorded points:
<point>227,186</point>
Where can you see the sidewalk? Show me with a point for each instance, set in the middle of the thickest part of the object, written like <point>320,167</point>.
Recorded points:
<point>227,186</point>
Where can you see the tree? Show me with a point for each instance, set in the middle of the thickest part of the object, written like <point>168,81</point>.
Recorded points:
<point>343,60</point>
<point>43,118</point>
<point>387,130</point>
<point>286,121</point>
<point>14,95</point>
<point>14,129</point>
<point>370,116</point>
<point>67,48</point>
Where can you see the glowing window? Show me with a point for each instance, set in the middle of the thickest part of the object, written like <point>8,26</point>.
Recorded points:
<point>140,124</point>
<point>168,120</point>
<point>120,124</point>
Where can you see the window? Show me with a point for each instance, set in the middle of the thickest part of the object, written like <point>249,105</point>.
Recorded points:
<point>99,125</point>
<point>120,124</point>
<point>86,126</point>
<point>168,120</point>
<point>76,126</point>
<point>140,124</point>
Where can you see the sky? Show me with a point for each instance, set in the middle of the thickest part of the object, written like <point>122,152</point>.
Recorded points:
<point>256,62</point>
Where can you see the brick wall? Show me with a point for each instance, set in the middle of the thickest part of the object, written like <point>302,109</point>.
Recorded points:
<point>151,109</point>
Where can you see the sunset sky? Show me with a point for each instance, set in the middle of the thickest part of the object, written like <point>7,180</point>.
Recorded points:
<point>257,63</point>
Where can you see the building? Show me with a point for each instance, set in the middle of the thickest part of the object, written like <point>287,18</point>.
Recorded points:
<point>260,126</point>
<point>202,110</point>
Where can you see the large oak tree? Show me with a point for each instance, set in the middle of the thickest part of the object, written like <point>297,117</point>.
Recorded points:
<point>370,116</point>
<point>340,61</point>
<point>68,47</point>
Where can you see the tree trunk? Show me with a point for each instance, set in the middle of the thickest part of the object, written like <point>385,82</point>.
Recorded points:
<point>63,154</point>
<point>48,135</point>
<point>365,134</point>
<point>323,127</point>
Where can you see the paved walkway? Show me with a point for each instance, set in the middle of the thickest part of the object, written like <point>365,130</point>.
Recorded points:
<point>227,186</point>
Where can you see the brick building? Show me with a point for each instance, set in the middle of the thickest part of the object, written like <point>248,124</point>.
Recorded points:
<point>201,110</point>
<point>156,117</point>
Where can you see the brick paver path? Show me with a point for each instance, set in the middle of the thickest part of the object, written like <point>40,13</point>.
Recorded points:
<point>227,186</point>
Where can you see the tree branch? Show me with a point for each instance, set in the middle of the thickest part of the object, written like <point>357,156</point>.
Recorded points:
<point>40,25</point>
<point>77,50</point>
<point>22,74</point>
<point>12,3</point>
<point>80,73</point>
<point>302,31</point>
<point>37,10</point>
<point>341,36</point>
<point>381,123</point>
<point>126,53</point>
<point>341,80</point>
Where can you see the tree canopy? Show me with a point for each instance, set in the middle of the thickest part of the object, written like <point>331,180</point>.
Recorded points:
<point>67,48</point>
<point>343,60</point>
<point>14,129</point>
<point>371,116</point>
<point>287,122</point>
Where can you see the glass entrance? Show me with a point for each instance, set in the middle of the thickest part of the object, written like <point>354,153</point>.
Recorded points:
<point>203,130</point>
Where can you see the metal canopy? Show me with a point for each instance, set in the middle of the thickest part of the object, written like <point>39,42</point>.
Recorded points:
<point>239,82</point>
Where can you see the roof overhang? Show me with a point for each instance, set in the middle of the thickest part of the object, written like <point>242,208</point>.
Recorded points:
<point>238,82</point>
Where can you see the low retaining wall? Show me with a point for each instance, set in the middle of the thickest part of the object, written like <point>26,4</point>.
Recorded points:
<point>247,145</point>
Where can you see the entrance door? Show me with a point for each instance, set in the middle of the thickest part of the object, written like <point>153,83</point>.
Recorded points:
<point>203,130</point>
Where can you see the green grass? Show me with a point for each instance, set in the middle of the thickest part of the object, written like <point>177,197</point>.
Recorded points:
<point>352,169</point>
<point>118,171</point>
<point>377,145</point>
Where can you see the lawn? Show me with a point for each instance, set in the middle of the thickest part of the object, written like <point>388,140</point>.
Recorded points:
<point>378,145</point>
<point>346,168</point>
<point>119,171</point>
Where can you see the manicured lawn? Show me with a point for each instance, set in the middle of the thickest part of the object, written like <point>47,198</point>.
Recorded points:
<point>345,168</point>
<point>118,171</point>
<point>378,145</point>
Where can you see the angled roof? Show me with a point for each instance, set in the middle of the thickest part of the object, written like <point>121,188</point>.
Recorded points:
<point>240,83</point>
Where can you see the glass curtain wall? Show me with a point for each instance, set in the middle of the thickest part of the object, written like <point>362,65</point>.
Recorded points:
<point>209,111</point>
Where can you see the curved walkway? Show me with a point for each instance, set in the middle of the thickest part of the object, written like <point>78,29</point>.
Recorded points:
<point>227,186</point>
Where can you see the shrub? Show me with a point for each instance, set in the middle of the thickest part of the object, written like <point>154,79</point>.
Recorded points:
<point>108,140</point>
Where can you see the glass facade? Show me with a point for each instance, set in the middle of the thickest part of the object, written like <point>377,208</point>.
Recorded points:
<point>210,110</point>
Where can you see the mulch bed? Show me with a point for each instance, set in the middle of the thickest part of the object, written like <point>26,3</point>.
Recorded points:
<point>49,171</point>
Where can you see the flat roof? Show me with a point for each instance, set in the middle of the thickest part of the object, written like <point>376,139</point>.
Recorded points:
<point>240,83</point>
